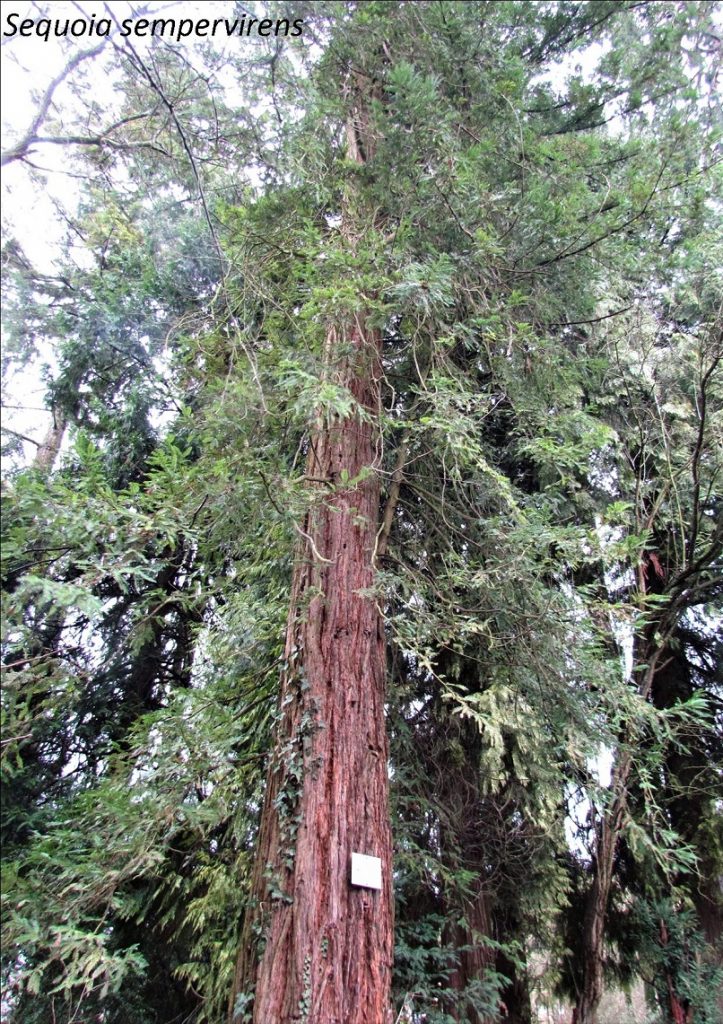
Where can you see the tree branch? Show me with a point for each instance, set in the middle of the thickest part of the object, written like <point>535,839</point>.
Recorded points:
<point>156,87</point>
<point>21,148</point>
<point>695,462</point>
<point>21,437</point>
<point>385,529</point>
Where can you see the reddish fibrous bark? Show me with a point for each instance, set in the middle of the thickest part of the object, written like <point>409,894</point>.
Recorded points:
<point>677,1011</point>
<point>315,949</point>
<point>328,946</point>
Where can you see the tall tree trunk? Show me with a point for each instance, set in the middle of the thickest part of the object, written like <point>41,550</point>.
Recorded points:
<point>678,1011</point>
<point>689,804</point>
<point>315,949</point>
<point>475,958</point>
<point>462,843</point>
<point>480,919</point>
<point>327,953</point>
<point>708,900</point>
<point>516,1000</point>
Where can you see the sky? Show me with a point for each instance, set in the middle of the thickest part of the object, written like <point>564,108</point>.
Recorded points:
<point>27,66</point>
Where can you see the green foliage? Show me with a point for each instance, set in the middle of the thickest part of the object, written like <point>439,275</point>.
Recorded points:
<point>673,957</point>
<point>423,965</point>
<point>537,243</point>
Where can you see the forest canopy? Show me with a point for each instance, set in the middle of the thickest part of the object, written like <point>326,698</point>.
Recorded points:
<point>371,505</point>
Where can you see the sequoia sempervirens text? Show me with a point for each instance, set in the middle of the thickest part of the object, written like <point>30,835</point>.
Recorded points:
<point>174,29</point>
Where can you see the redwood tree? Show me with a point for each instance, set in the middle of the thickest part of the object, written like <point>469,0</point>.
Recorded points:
<point>315,947</point>
<point>423,248</point>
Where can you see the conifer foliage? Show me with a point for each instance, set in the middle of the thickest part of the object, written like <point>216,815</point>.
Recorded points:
<point>376,510</point>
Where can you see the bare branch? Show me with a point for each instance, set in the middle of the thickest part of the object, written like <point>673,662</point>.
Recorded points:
<point>21,437</point>
<point>21,148</point>
<point>31,138</point>
<point>141,66</point>
<point>702,400</point>
<point>594,320</point>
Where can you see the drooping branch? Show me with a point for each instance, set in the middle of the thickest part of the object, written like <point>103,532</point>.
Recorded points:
<point>32,136</point>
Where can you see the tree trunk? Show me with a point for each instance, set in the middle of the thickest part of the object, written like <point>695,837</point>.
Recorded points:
<point>678,1011</point>
<point>598,898</point>
<point>516,1001</point>
<point>645,662</point>
<point>480,919</point>
<point>688,806</point>
<point>327,946</point>
<point>462,844</point>
<point>314,948</point>
<point>48,451</point>
<point>475,958</point>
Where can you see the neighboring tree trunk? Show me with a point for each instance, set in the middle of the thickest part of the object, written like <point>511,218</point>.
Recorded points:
<point>475,958</point>
<point>462,843</point>
<point>328,950</point>
<point>516,1001</point>
<point>592,938</point>
<point>608,835</point>
<point>679,1012</point>
<point>708,900</point>
<point>483,917</point>
<point>47,453</point>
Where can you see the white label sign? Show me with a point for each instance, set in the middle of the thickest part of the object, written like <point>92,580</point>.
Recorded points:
<point>366,872</point>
